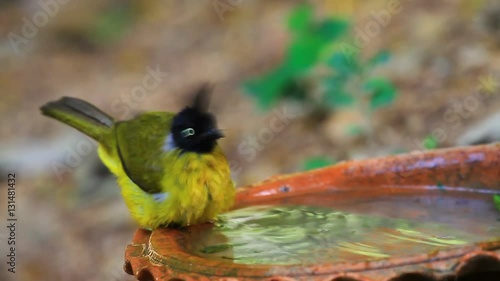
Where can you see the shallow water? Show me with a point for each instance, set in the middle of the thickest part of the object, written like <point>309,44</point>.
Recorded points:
<point>372,228</point>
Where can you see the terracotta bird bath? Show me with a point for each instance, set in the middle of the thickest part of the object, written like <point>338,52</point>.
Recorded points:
<point>418,216</point>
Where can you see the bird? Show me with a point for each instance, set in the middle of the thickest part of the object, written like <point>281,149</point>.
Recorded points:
<point>169,166</point>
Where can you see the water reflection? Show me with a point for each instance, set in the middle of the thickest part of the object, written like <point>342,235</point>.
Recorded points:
<point>310,234</point>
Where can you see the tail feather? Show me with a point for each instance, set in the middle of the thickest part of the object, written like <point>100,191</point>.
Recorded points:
<point>80,115</point>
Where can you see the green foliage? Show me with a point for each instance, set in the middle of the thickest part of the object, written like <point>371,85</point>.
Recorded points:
<point>347,71</point>
<point>496,201</point>
<point>320,44</point>
<point>430,142</point>
<point>300,18</point>
<point>316,163</point>
<point>309,39</point>
<point>111,24</point>
<point>381,92</point>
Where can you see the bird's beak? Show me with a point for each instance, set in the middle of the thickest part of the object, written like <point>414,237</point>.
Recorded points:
<point>213,134</point>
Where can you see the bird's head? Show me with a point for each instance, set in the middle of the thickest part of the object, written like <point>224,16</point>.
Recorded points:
<point>194,129</point>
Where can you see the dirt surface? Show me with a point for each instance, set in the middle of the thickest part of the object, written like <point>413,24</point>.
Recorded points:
<point>73,225</point>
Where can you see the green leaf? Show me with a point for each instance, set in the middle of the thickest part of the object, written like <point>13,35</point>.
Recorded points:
<point>268,88</point>
<point>112,24</point>
<point>317,162</point>
<point>430,142</point>
<point>382,92</point>
<point>496,201</point>
<point>300,18</point>
<point>380,58</point>
<point>343,64</point>
<point>301,56</point>
<point>303,53</point>
<point>304,50</point>
<point>331,29</point>
<point>265,90</point>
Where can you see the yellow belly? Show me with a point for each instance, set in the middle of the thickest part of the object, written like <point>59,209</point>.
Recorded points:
<point>199,190</point>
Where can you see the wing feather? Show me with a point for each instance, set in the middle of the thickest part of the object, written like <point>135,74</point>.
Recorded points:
<point>140,143</point>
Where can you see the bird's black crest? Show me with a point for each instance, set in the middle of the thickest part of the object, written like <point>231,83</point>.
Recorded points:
<point>194,129</point>
<point>201,99</point>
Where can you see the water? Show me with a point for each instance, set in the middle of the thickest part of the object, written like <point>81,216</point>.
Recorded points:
<point>370,229</point>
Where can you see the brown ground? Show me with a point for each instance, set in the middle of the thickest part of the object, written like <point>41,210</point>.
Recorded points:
<point>77,228</point>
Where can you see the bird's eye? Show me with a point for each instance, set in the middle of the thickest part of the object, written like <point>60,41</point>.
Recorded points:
<point>187,132</point>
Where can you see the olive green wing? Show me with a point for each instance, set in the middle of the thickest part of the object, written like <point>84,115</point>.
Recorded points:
<point>140,145</point>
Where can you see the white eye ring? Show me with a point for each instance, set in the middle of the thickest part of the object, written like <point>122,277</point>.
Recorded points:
<point>187,132</point>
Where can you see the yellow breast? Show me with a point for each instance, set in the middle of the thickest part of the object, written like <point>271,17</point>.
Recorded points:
<point>195,188</point>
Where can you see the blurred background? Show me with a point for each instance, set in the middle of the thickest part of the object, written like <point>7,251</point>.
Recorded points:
<point>298,85</point>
